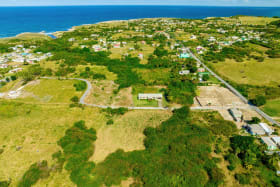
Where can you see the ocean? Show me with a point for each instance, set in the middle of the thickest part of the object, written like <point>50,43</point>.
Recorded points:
<point>16,20</point>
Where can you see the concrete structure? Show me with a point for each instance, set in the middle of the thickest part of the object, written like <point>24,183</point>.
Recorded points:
<point>255,129</point>
<point>276,140</point>
<point>236,114</point>
<point>269,143</point>
<point>266,128</point>
<point>143,96</point>
<point>184,72</point>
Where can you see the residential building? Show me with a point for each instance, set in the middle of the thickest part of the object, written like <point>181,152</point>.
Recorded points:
<point>236,114</point>
<point>150,96</point>
<point>266,128</point>
<point>269,143</point>
<point>255,129</point>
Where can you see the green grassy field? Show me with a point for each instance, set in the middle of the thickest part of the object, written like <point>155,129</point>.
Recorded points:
<point>51,91</point>
<point>272,108</point>
<point>251,72</point>
<point>26,36</point>
<point>158,76</point>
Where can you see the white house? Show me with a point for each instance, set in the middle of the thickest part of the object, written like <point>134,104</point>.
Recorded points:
<point>150,96</point>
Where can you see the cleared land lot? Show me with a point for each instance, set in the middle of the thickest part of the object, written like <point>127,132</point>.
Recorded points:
<point>219,97</point>
<point>216,96</point>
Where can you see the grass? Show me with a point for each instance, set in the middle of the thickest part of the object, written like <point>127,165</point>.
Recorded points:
<point>97,69</point>
<point>51,91</point>
<point>26,36</point>
<point>144,103</point>
<point>36,129</point>
<point>272,108</point>
<point>10,85</point>
<point>146,89</point>
<point>251,72</point>
<point>126,132</point>
<point>251,20</point>
<point>151,76</point>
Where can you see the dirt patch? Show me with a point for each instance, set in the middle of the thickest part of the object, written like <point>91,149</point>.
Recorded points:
<point>124,98</point>
<point>102,92</point>
<point>216,96</point>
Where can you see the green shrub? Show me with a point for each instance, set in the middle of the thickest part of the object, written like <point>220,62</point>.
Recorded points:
<point>98,76</point>
<point>75,99</point>
<point>110,122</point>
<point>243,178</point>
<point>36,172</point>
<point>80,86</point>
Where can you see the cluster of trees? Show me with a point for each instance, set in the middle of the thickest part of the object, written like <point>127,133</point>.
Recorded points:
<point>182,148</point>
<point>80,85</point>
<point>5,48</point>
<point>247,152</point>
<point>180,91</point>
<point>77,146</point>
<point>87,73</point>
<point>236,52</point>
<point>35,172</point>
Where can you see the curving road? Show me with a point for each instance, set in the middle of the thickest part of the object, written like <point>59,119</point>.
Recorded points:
<point>233,90</point>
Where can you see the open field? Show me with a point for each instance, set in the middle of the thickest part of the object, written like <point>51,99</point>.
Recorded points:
<point>29,133</point>
<point>251,72</point>
<point>26,36</point>
<point>272,108</point>
<point>158,76</point>
<point>50,91</point>
<point>250,20</point>
<point>126,133</point>
<point>102,92</point>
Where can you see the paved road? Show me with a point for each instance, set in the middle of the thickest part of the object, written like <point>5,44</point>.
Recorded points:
<point>233,90</point>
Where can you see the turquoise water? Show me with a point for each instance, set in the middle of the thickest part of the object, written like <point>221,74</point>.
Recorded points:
<point>15,20</point>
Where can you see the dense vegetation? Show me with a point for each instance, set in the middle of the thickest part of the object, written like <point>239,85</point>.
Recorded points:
<point>182,149</point>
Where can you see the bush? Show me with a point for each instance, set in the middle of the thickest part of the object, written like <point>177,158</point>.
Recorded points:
<point>75,99</point>
<point>80,86</point>
<point>13,77</point>
<point>34,173</point>
<point>110,122</point>
<point>98,76</point>
<point>259,100</point>
<point>254,120</point>
<point>243,178</point>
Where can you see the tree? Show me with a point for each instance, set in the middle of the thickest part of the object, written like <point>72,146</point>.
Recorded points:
<point>254,120</point>
<point>259,100</point>
<point>75,99</point>
<point>205,77</point>
<point>13,77</point>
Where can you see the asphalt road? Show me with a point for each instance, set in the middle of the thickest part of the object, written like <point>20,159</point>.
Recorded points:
<point>233,90</point>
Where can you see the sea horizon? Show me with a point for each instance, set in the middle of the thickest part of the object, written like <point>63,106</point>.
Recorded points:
<point>15,20</point>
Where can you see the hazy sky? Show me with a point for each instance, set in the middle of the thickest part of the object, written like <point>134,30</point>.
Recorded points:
<point>272,3</point>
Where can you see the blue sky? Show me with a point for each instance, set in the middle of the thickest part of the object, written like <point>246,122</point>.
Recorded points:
<point>272,3</point>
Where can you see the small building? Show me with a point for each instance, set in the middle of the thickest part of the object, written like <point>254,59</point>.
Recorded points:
<point>236,114</point>
<point>184,72</point>
<point>141,56</point>
<point>185,55</point>
<point>200,70</point>
<point>269,143</point>
<point>255,129</point>
<point>266,128</point>
<point>276,139</point>
<point>150,96</point>
<point>71,39</point>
